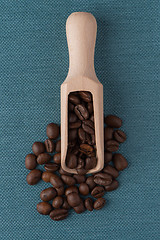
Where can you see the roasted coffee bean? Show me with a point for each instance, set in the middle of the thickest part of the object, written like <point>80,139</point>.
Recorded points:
<point>92,118</point>
<point>89,204</point>
<point>38,147</point>
<point>90,107</point>
<point>48,194</point>
<point>49,145</point>
<point>108,133</point>
<point>80,163</point>
<point>68,180</point>
<point>74,150</point>
<point>73,199</point>
<point>34,177</point>
<point>99,203</point>
<point>90,163</point>
<point>74,99</point>
<point>60,191</point>
<point>62,172</point>
<point>72,118</point>
<point>103,179</point>
<point>51,167</point>
<point>81,112</point>
<point>90,182</point>
<point>57,202</point>
<point>81,171</point>
<point>80,208</point>
<point>30,161</point>
<point>52,131</point>
<point>56,181</point>
<point>113,121</point>
<point>82,135</point>
<point>44,208</point>
<point>43,158</point>
<point>120,136</point>
<point>107,157</point>
<point>88,126</point>
<point>71,145</point>
<point>70,107</point>
<point>86,96</point>
<point>84,189</point>
<point>111,146</point>
<point>113,186</point>
<point>79,178</point>
<point>72,189</point>
<point>86,149</point>
<point>75,125</point>
<point>98,192</point>
<point>58,146</point>
<point>46,176</point>
<point>65,204</point>
<point>111,170</point>
<point>120,162</point>
<point>58,214</point>
<point>71,161</point>
<point>93,140</point>
<point>57,158</point>
<point>72,134</point>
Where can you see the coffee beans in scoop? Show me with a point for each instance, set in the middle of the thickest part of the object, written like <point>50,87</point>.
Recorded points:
<point>79,191</point>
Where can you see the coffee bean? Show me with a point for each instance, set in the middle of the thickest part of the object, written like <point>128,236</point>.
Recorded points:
<point>93,140</point>
<point>43,158</point>
<point>44,208</point>
<point>103,179</point>
<point>111,146</point>
<point>56,181</point>
<point>57,158</point>
<point>79,178</point>
<point>72,134</point>
<point>111,170</point>
<point>68,180</point>
<point>73,199</point>
<point>57,202</point>
<point>58,214</point>
<point>90,182</point>
<point>74,150</point>
<point>82,135</point>
<point>92,118</point>
<point>113,186</point>
<point>81,112</point>
<point>80,163</point>
<point>88,126</point>
<point>46,176</point>
<point>86,148</point>
<point>49,145</point>
<point>72,117</point>
<point>86,96</point>
<point>80,208</point>
<point>65,204</point>
<point>62,172</point>
<point>52,131</point>
<point>84,189</point>
<point>48,194</point>
<point>99,203</point>
<point>71,161</point>
<point>72,189</point>
<point>98,192</point>
<point>75,125</point>
<point>60,191</point>
<point>89,204</point>
<point>120,162</point>
<point>30,161</point>
<point>120,136</point>
<point>70,107</point>
<point>74,99</point>
<point>34,177</point>
<point>58,146</point>
<point>107,157</point>
<point>90,107</point>
<point>90,163</point>
<point>81,171</point>
<point>51,167</point>
<point>108,133</point>
<point>38,147</point>
<point>113,121</point>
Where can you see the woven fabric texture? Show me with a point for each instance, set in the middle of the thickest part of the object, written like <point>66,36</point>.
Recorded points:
<point>33,65</point>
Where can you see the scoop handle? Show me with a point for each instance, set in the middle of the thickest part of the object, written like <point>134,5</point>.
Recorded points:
<point>81,30</point>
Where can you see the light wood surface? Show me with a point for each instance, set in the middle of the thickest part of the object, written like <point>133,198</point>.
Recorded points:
<point>81,29</point>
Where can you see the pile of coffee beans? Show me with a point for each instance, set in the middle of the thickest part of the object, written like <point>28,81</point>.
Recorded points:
<point>79,191</point>
<point>81,153</point>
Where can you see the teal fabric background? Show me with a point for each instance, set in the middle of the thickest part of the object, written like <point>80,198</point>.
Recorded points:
<point>33,65</point>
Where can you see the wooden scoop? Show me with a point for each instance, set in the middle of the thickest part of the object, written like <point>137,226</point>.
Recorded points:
<point>81,29</point>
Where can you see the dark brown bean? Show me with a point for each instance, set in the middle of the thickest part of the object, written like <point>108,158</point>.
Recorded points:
<point>90,163</point>
<point>81,171</point>
<point>107,157</point>
<point>62,172</point>
<point>52,131</point>
<point>58,146</point>
<point>120,162</point>
<point>111,170</point>
<point>44,208</point>
<point>70,107</point>
<point>103,179</point>
<point>56,181</point>
<point>73,199</point>
<point>74,99</point>
<point>51,167</point>
<point>99,203</point>
<point>108,133</point>
<point>71,161</point>
<point>49,145</point>
<point>75,125</point>
<point>89,204</point>
<point>80,208</point>
<point>92,118</point>
<point>113,186</point>
<point>60,191</point>
<point>58,214</point>
<point>72,117</point>
<point>81,112</point>
<point>88,126</point>
<point>86,149</point>
<point>90,182</point>
<point>46,176</point>
<point>43,158</point>
<point>84,189</point>
<point>72,189</point>
<point>113,121</point>
<point>72,135</point>
<point>57,202</point>
<point>65,204</point>
<point>98,192</point>
<point>48,194</point>
<point>120,136</point>
<point>38,147</point>
<point>57,158</point>
<point>34,177</point>
<point>70,181</point>
<point>79,178</point>
<point>86,96</point>
<point>30,161</point>
<point>111,146</point>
